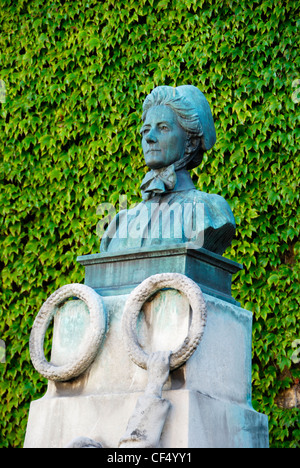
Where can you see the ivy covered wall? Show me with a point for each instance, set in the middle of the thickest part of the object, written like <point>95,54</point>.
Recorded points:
<point>73,78</point>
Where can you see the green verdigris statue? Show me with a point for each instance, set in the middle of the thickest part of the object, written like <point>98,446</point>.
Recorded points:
<point>177,129</point>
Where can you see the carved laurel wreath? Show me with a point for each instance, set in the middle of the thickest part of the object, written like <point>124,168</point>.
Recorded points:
<point>140,295</point>
<point>96,332</point>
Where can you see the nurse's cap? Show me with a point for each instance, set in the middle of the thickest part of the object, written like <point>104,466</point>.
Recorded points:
<point>200,103</point>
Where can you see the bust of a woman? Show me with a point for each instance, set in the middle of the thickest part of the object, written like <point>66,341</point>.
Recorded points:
<point>177,129</point>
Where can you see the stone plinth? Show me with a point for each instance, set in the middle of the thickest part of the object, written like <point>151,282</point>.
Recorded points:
<point>210,394</point>
<point>195,421</point>
<point>119,273</point>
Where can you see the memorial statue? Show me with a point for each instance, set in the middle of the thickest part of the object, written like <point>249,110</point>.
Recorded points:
<point>177,129</point>
<point>104,352</point>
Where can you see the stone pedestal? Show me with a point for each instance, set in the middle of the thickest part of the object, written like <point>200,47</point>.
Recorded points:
<point>195,421</point>
<point>210,394</point>
<point>119,273</point>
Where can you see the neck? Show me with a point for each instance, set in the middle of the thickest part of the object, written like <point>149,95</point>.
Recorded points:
<point>184,181</point>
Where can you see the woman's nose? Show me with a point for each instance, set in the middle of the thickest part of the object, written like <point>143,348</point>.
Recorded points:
<point>150,137</point>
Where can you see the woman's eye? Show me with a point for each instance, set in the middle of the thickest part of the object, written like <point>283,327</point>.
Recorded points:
<point>164,128</point>
<point>145,131</point>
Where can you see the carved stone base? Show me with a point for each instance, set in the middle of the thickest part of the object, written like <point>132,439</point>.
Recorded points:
<point>210,394</point>
<point>204,422</point>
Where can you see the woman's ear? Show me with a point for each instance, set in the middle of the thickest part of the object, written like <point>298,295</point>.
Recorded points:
<point>192,144</point>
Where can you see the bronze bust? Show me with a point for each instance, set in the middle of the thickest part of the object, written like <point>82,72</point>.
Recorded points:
<point>177,129</point>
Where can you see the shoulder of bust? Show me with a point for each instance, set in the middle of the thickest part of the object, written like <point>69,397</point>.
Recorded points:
<point>215,202</point>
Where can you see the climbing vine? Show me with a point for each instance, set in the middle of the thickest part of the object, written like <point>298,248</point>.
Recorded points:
<point>73,75</point>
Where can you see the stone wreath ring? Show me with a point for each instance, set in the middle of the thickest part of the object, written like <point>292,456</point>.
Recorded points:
<point>141,294</point>
<point>96,332</point>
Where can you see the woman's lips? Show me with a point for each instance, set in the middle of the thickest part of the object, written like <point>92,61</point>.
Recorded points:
<point>152,150</point>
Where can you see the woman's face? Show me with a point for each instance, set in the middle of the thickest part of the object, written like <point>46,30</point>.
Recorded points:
<point>164,140</point>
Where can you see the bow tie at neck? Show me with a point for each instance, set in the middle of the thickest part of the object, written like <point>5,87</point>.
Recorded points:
<point>158,181</point>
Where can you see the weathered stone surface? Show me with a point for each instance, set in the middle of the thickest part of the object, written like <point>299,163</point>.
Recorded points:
<point>210,393</point>
<point>144,292</point>
<point>223,355</point>
<point>204,422</point>
<point>79,357</point>
<point>289,398</point>
<point>117,273</point>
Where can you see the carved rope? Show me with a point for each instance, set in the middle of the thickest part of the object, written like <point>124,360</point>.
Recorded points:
<point>96,332</point>
<point>140,295</point>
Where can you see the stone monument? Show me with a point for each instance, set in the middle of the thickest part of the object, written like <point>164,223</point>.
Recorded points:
<point>153,350</point>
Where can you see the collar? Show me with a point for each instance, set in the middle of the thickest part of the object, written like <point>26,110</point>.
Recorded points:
<point>165,180</point>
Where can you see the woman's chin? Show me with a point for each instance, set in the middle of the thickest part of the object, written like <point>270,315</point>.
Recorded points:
<point>154,163</point>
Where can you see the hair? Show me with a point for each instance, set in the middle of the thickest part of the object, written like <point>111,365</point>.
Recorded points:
<point>187,117</point>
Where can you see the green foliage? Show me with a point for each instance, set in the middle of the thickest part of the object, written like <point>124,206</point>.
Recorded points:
<point>76,73</point>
